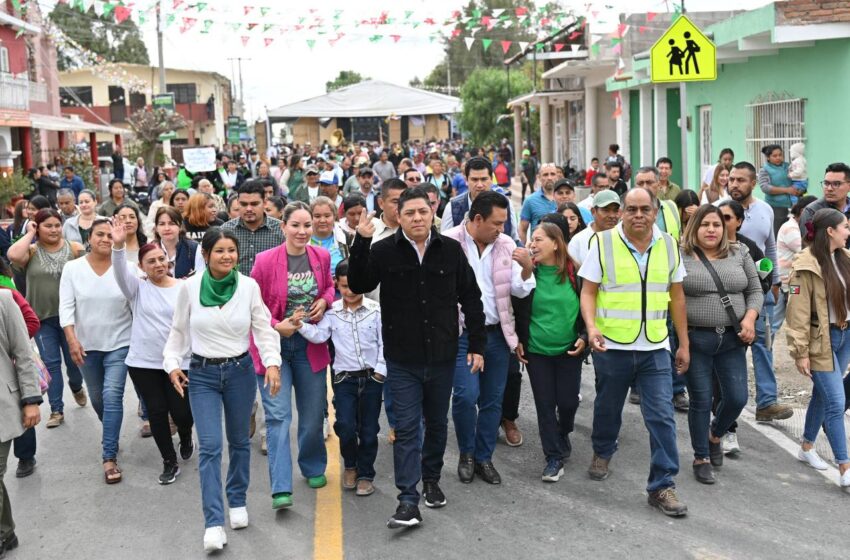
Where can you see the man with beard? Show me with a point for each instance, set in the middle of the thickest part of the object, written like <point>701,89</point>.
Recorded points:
<point>540,203</point>
<point>758,226</point>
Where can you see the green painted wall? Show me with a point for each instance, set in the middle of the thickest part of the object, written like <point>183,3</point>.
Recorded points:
<point>674,143</point>
<point>634,128</point>
<point>819,74</point>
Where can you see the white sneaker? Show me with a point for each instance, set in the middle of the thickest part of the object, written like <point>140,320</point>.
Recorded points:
<point>214,538</point>
<point>325,428</point>
<point>730,444</point>
<point>811,457</point>
<point>845,479</point>
<point>238,517</point>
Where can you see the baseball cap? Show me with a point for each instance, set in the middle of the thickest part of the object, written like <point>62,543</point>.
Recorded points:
<point>366,170</point>
<point>311,169</point>
<point>605,198</point>
<point>327,178</point>
<point>564,183</point>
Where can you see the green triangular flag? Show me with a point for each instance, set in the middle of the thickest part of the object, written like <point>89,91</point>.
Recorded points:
<point>267,26</point>
<point>594,49</point>
<point>16,4</point>
<point>169,19</point>
<point>486,43</point>
<point>201,6</point>
<point>107,8</point>
<point>264,10</point>
<point>476,13</point>
<point>311,43</point>
<point>375,38</point>
<point>142,19</point>
<point>207,24</point>
<point>539,46</point>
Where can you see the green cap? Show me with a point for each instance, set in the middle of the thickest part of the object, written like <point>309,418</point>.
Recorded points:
<point>605,198</point>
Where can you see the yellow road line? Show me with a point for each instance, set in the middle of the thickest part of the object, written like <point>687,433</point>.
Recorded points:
<point>327,527</point>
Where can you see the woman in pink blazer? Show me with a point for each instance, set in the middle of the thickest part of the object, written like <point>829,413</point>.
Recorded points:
<point>295,278</point>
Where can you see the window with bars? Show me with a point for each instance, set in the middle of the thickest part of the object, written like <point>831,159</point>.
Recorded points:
<point>774,120</point>
<point>183,93</point>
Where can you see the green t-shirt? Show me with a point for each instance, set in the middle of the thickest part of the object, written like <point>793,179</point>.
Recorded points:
<point>554,311</point>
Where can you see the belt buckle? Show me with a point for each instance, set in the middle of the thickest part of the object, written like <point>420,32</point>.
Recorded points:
<point>720,330</point>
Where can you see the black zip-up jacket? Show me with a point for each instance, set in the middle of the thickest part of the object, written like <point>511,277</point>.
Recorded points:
<point>419,302</point>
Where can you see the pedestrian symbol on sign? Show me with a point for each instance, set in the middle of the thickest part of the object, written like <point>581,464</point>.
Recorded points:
<point>683,54</point>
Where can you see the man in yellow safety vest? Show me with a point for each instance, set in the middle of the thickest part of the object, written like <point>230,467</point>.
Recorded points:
<point>632,275</point>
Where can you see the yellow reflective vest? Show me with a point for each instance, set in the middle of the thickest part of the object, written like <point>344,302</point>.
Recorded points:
<point>672,223</point>
<point>628,302</point>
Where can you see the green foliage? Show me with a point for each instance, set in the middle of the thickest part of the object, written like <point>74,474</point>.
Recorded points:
<point>81,162</point>
<point>149,124</point>
<point>485,96</point>
<point>12,185</point>
<point>345,78</point>
<point>464,62</point>
<point>116,42</point>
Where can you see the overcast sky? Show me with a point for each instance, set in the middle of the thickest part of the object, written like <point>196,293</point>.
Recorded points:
<point>288,70</point>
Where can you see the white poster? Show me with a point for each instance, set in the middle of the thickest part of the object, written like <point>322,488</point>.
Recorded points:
<point>199,159</point>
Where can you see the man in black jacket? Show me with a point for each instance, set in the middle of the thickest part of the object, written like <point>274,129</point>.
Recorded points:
<point>423,277</point>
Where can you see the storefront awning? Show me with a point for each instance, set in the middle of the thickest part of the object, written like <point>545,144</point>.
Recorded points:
<point>61,124</point>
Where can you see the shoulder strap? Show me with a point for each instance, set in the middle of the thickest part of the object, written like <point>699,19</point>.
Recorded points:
<point>724,297</point>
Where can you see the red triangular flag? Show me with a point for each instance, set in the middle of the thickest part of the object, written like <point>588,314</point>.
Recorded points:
<point>558,47</point>
<point>642,29</point>
<point>650,16</point>
<point>247,9</point>
<point>268,41</point>
<point>245,40</point>
<point>395,38</point>
<point>121,13</point>
<point>520,12</point>
<point>506,46</point>
<point>176,4</point>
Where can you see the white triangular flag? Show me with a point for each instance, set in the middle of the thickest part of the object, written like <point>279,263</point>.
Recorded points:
<point>508,23</point>
<point>475,30</point>
<point>523,45</point>
<point>575,47</point>
<point>497,12</point>
<point>468,41</point>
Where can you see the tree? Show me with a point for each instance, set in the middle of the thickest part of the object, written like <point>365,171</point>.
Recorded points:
<point>149,124</point>
<point>345,78</point>
<point>463,61</point>
<point>484,96</point>
<point>116,42</point>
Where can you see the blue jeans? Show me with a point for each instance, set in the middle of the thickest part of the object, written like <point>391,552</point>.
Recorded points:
<point>310,398</point>
<point>724,356</point>
<point>106,374</point>
<point>477,397</point>
<point>826,408</point>
<point>763,357</point>
<point>779,312</point>
<point>53,347</point>
<point>232,385</point>
<point>419,390</point>
<point>615,371</point>
<point>679,383</point>
<point>25,445</point>
<point>357,401</point>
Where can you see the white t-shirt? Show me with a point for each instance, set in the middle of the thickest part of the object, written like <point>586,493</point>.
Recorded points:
<point>591,269</point>
<point>580,245</point>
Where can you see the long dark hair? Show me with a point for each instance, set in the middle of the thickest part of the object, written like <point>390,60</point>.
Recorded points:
<point>836,291</point>
<point>140,235</point>
<point>575,210</point>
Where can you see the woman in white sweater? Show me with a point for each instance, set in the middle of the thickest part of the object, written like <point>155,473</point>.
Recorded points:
<point>96,319</point>
<point>215,314</point>
<point>152,300</point>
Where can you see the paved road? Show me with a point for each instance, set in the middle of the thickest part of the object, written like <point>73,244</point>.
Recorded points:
<point>766,504</point>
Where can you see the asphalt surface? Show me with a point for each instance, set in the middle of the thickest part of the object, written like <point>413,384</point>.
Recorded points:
<point>765,504</point>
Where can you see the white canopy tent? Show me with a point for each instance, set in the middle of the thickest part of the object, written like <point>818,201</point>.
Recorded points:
<point>371,98</point>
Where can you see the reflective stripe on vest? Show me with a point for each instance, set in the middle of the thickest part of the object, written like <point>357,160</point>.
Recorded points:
<point>626,302</point>
<point>672,223</point>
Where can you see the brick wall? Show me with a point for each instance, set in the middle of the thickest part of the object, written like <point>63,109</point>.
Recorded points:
<point>797,12</point>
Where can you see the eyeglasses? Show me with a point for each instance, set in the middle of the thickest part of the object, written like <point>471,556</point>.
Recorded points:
<point>414,179</point>
<point>833,184</point>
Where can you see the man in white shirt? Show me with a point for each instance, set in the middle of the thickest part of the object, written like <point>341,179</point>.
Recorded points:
<point>477,396</point>
<point>606,214</point>
<point>598,184</point>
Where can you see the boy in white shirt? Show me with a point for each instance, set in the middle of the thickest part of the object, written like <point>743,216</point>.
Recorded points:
<point>353,324</point>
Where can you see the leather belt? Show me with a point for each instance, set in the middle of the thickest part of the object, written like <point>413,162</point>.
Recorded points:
<point>217,361</point>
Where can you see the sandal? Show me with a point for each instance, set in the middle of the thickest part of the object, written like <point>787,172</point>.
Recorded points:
<point>112,475</point>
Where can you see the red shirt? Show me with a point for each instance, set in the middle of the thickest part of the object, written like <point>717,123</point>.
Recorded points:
<point>588,176</point>
<point>30,318</point>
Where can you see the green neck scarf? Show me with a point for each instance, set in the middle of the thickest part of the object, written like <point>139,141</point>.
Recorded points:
<point>215,293</point>
<point>7,282</point>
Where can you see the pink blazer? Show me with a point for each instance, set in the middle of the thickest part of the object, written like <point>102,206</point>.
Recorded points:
<point>270,272</point>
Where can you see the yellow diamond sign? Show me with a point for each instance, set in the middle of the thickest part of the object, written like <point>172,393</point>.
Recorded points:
<point>683,54</point>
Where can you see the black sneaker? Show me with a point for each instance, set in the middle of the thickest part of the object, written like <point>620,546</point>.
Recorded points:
<point>406,515</point>
<point>488,473</point>
<point>25,468</point>
<point>434,497</point>
<point>10,542</point>
<point>553,471</point>
<point>169,473</point>
<point>715,453</point>
<point>187,449</point>
<point>466,468</point>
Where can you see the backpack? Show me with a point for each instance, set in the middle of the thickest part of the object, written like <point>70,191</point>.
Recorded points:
<point>501,173</point>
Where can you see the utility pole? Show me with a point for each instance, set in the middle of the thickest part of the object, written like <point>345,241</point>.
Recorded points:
<point>683,122</point>
<point>241,90</point>
<point>166,144</point>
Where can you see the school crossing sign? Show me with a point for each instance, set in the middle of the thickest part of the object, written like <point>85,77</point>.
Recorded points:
<point>683,54</point>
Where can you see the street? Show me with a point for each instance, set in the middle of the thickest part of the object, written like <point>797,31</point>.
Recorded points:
<point>765,504</point>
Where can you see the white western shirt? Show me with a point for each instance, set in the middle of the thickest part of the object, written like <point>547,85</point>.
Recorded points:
<point>356,336</point>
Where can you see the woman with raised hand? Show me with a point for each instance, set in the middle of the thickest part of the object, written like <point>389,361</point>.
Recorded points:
<point>97,322</point>
<point>131,219</point>
<point>816,322</point>
<point>152,300</point>
<point>41,255</point>
<point>216,313</point>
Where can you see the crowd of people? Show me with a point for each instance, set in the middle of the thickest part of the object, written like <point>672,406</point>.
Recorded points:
<point>410,280</point>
